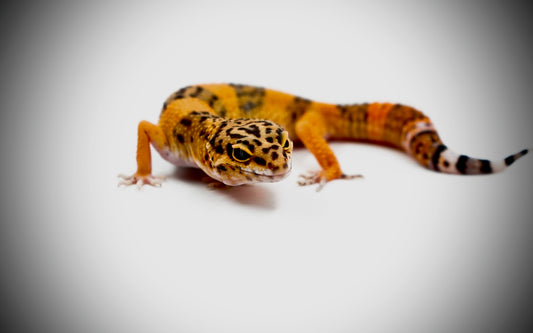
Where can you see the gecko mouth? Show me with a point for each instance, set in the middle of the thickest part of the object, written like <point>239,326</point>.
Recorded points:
<point>268,177</point>
<point>250,176</point>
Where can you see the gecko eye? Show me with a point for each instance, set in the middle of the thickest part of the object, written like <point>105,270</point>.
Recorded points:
<point>286,145</point>
<point>285,139</point>
<point>241,155</point>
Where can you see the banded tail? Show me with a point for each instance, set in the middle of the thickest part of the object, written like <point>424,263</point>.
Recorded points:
<point>410,130</point>
<point>424,144</point>
<point>444,160</point>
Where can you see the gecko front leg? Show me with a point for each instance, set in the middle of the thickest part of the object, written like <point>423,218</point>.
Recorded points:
<point>311,129</point>
<point>147,133</point>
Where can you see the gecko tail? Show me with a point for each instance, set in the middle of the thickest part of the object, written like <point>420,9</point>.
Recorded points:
<point>446,161</point>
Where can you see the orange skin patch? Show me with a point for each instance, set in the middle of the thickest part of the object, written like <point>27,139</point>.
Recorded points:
<point>377,116</point>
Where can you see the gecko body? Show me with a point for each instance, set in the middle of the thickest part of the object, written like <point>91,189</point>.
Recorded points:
<point>240,134</point>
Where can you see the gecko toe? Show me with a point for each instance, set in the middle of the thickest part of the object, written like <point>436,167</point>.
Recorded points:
<point>343,176</point>
<point>140,181</point>
<point>315,177</point>
<point>320,178</point>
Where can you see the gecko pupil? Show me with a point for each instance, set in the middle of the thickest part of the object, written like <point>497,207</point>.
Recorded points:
<point>241,155</point>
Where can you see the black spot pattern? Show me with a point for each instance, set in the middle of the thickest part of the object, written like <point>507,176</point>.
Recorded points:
<point>298,107</point>
<point>356,116</point>
<point>186,122</point>
<point>250,99</point>
<point>202,94</point>
<point>260,161</point>
<point>253,129</point>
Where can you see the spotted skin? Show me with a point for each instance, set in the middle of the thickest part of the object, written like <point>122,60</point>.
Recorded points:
<point>233,151</point>
<point>250,98</point>
<point>239,134</point>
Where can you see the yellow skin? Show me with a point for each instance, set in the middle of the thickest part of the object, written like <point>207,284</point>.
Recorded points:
<point>240,134</point>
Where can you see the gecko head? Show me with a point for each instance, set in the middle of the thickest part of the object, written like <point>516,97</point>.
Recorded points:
<point>245,151</point>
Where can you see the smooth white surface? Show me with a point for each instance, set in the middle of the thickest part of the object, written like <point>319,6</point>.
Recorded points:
<point>403,250</point>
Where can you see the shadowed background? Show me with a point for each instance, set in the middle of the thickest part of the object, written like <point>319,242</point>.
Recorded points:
<point>404,250</point>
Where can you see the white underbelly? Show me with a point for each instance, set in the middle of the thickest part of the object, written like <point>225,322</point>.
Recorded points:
<point>176,159</point>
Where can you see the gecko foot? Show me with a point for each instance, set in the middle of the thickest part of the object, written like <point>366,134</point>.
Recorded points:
<point>320,178</point>
<point>140,180</point>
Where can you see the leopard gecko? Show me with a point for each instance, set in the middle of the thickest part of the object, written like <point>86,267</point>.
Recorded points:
<point>240,134</point>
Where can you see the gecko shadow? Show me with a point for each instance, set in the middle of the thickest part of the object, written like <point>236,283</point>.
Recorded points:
<point>251,195</point>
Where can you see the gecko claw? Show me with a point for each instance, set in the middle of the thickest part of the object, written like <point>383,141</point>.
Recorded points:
<point>320,178</point>
<point>343,176</point>
<point>313,177</point>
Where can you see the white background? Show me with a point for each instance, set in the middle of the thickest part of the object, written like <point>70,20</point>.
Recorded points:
<point>403,250</point>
